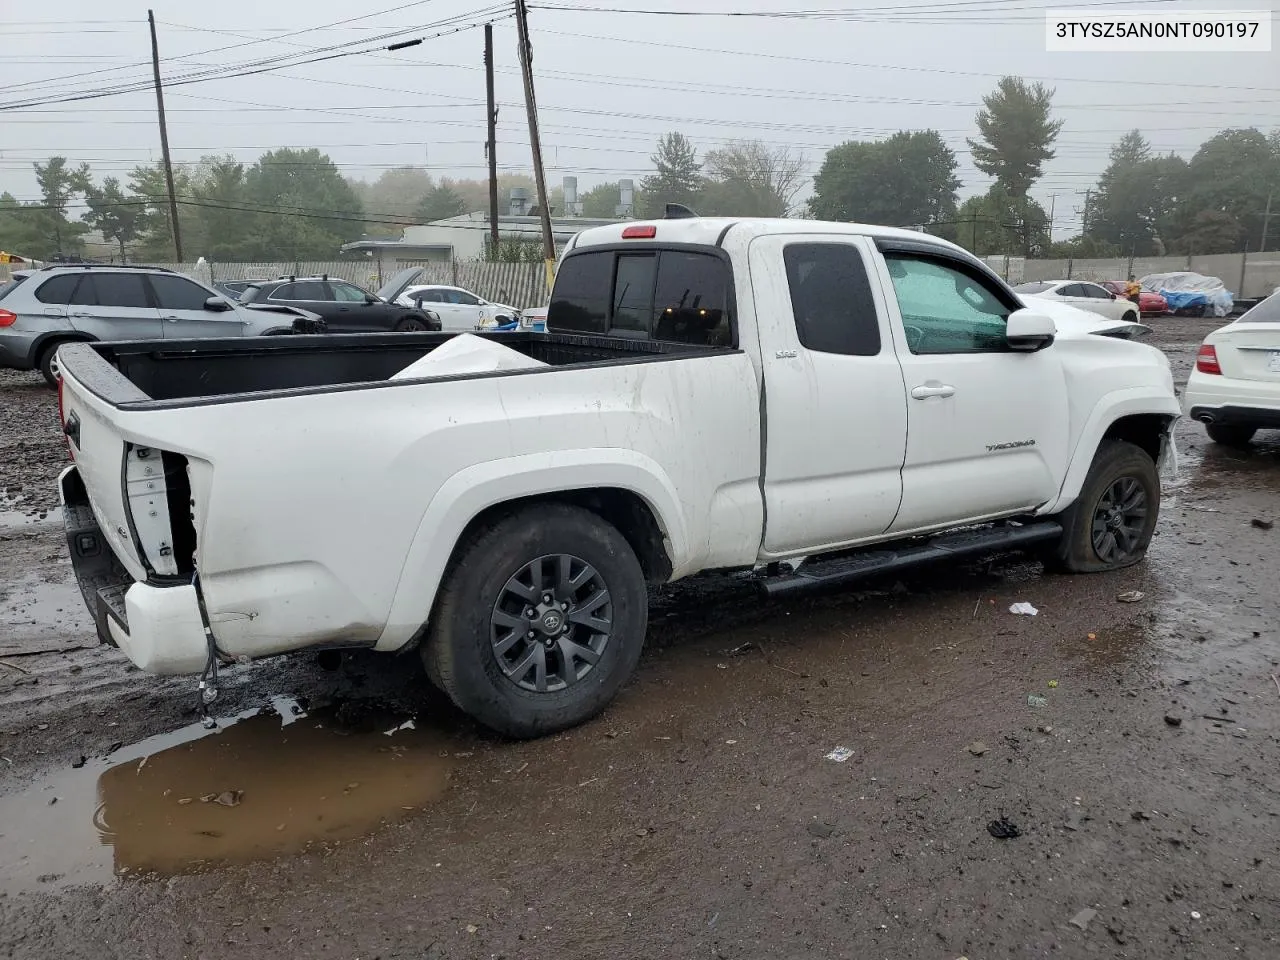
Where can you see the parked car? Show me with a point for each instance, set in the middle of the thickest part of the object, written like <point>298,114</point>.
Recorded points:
<point>42,309</point>
<point>711,394</point>
<point>345,307</point>
<point>534,320</point>
<point>459,309</point>
<point>1234,389</point>
<point>1150,304</point>
<point>1083,295</point>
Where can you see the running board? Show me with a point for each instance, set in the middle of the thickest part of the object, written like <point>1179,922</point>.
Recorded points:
<point>819,573</point>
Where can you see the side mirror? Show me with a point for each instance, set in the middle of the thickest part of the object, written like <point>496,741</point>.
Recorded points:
<point>1029,331</point>
<point>370,298</point>
<point>217,305</point>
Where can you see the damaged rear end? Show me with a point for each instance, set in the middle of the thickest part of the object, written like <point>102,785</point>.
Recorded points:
<point>131,534</point>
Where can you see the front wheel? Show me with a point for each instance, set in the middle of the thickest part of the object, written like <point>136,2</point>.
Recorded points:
<point>1112,521</point>
<point>540,621</point>
<point>412,325</point>
<point>1230,435</point>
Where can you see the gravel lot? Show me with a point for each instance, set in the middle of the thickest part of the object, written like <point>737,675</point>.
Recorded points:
<point>1133,745</point>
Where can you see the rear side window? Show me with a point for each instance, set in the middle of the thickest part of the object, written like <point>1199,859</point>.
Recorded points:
<point>7,288</point>
<point>114,290</point>
<point>831,299</point>
<point>176,293</point>
<point>302,290</point>
<point>58,289</point>
<point>671,295</point>
<point>580,298</point>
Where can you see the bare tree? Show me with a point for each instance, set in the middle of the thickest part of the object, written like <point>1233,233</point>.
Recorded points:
<point>775,174</point>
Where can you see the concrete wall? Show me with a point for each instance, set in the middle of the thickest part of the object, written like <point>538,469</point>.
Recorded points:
<point>1252,275</point>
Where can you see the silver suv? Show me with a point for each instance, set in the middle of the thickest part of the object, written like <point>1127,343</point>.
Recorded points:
<point>42,309</point>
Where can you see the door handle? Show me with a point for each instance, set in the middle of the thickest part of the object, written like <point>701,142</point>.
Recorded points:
<point>173,319</point>
<point>932,389</point>
<point>82,315</point>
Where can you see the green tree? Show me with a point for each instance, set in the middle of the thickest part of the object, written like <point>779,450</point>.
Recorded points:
<point>116,216</point>
<point>905,180</point>
<point>1017,134</point>
<point>677,176</point>
<point>304,208</point>
<point>1210,231</point>
<point>1231,174</point>
<point>998,222</point>
<point>155,238</point>
<point>1124,208</point>
<point>58,184</point>
<point>750,178</point>
<point>440,203</point>
<point>219,207</point>
<point>25,229</point>
<point>601,201</point>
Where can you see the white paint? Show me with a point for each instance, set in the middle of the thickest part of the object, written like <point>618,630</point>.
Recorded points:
<point>331,517</point>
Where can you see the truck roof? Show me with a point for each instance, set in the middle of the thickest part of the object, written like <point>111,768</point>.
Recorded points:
<point>712,231</point>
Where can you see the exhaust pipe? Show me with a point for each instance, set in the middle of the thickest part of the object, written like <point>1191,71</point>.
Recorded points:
<point>1206,418</point>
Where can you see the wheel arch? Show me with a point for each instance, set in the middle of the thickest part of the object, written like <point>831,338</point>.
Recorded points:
<point>626,490</point>
<point>55,338</point>
<point>1135,415</point>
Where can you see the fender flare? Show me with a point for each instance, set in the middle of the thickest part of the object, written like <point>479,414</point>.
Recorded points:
<point>471,491</point>
<point>1110,407</point>
<point>59,337</point>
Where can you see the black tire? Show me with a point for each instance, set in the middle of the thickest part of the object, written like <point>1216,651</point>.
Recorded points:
<point>1130,317</point>
<point>46,365</point>
<point>1112,521</point>
<point>416,323</point>
<point>1230,435</point>
<point>478,649</point>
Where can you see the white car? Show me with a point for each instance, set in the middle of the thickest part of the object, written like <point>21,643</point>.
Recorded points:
<point>1083,295</point>
<point>1234,389</point>
<point>459,310</point>
<point>711,394</point>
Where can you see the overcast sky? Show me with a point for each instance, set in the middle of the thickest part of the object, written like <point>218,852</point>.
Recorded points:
<point>609,83</point>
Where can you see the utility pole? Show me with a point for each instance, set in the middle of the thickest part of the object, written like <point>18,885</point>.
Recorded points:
<point>1266,222</point>
<point>531,105</point>
<point>492,147</point>
<point>164,139</point>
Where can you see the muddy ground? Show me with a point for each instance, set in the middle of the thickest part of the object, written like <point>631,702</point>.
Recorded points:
<point>1133,745</point>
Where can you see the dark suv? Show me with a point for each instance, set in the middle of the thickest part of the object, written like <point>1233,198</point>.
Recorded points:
<point>345,307</point>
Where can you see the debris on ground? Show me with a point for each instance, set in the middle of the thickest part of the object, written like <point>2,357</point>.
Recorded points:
<point>840,754</point>
<point>1023,609</point>
<point>740,649</point>
<point>1131,596</point>
<point>1261,524</point>
<point>1053,684</point>
<point>1044,728</point>
<point>977,748</point>
<point>1172,720</point>
<point>819,829</point>
<point>1082,918</point>
<point>1003,829</point>
<point>1139,815</point>
<point>1195,914</point>
<point>77,764</point>
<point>227,798</point>
<point>1035,700</point>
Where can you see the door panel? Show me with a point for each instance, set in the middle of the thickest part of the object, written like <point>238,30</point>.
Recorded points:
<point>834,402</point>
<point>986,426</point>
<point>182,314</point>
<point>114,306</point>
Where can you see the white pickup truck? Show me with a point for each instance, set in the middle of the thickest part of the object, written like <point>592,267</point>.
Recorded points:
<point>710,395</point>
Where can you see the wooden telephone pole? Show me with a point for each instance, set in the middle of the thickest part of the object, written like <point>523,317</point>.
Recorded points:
<point>492,148</point>
<point>164,139</point>
<point>531,105</point>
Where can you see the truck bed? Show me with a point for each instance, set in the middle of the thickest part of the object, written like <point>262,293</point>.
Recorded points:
<point>151,374</point>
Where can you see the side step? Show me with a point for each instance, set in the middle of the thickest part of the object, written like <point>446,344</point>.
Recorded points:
<point>846,568</point>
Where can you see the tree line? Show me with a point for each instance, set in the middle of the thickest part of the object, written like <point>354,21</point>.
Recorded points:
<point>296,204</point>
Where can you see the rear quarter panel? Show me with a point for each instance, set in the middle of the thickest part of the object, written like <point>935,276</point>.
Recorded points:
<point>331,517</point>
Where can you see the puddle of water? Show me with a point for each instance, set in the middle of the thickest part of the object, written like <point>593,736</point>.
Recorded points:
<point>36,615</point>
<point>13,520</point>
<point>295,779</point>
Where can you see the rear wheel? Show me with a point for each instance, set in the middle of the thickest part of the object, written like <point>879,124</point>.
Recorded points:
<point>1130,316</point>
<point>540,621</point>
<point>1233,435</point>
<point>1112,521</point>
<point>47,366</point>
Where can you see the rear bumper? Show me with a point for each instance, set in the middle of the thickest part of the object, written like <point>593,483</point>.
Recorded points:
<point>15,352</point>
<point>1236,416</point>
<point>159,626</point>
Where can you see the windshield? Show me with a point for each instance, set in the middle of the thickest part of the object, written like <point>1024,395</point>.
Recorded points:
<point>1039,287</point>
<point>1268,311</point>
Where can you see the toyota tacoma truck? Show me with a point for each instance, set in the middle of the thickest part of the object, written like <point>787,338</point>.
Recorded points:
<point>806,402</point>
